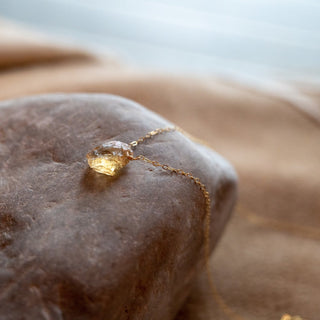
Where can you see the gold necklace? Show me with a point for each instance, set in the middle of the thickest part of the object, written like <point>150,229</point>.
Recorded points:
<point>110,157</point>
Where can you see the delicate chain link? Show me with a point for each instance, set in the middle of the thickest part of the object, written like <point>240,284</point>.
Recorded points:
<point>155,132</point>
<point>151,134</point>
<point>181,172</point>
<point>206,196</point>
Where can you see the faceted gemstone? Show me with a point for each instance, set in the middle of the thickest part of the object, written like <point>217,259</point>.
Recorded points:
<point>109,157</point>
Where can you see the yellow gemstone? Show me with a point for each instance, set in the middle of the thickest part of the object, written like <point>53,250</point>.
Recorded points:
<point>110,157</point>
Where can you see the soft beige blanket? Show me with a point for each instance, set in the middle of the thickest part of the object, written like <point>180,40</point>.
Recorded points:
<point>268,261</point>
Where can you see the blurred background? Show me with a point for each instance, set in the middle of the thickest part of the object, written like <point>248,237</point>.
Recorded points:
<point>249,39</point>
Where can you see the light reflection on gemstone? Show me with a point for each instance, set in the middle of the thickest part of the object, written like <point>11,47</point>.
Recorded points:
<point>109,157</point>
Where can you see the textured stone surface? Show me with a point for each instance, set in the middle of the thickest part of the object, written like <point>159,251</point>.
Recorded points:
<point>75,244</point>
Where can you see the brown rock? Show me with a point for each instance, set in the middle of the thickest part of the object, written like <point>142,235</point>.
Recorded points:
<point>75,244</point>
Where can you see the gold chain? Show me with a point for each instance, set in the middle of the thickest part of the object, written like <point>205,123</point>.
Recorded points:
<point>189,175</point>
<point>151,134</point>
<point>206,195</point>
<point>111,166</point>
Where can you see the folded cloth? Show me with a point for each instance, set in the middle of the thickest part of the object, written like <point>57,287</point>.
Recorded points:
<point>267,263</point>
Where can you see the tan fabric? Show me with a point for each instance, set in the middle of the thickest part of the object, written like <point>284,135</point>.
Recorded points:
<point>268,261</point>
<point>20,48</point>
